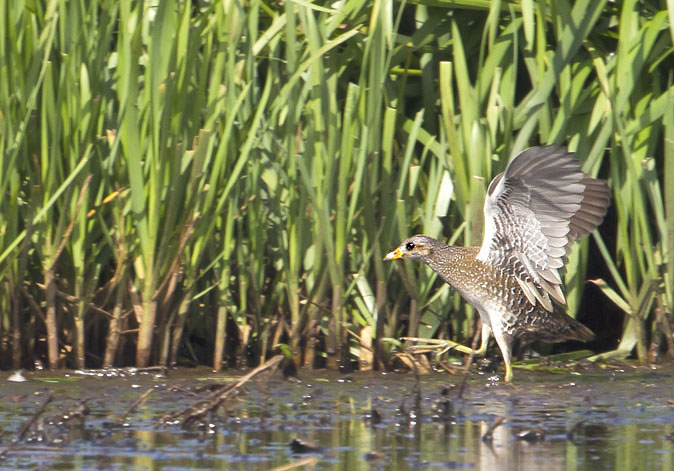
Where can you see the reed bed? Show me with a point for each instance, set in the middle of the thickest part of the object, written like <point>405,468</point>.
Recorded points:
<point>210,181</point>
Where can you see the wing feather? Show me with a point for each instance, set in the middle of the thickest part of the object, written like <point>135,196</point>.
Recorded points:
<point>534,211</point>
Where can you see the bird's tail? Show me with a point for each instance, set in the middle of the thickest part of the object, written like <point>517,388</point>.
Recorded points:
<point>577,331</point>
<point>562,327</point>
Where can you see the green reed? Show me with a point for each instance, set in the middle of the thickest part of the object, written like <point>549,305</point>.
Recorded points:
<point>204,182</point>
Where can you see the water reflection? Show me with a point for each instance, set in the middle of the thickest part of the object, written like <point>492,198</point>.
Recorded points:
<point>593,426</point>
<point>507,452</point>
<point>349,445</point>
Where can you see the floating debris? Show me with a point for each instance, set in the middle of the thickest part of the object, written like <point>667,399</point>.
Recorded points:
<point>531,435</point>
<point>374,455</point>
<point>299,446</point>
<point>159,371</point>
<point>373,417</point>
<point>17,377</point>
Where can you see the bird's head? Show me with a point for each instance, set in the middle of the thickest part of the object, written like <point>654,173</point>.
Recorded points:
<point>418,247</point>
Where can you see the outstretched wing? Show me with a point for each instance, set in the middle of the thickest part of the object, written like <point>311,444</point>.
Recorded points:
<point>534,211</point>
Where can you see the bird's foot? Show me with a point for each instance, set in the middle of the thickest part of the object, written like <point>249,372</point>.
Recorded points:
<point>441,346</point>
<point>508,374</point>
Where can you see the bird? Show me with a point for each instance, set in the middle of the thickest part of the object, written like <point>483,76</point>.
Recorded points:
<point>533,212</point>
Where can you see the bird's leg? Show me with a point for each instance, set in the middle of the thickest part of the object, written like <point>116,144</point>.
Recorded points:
<point>486,333</point>
<point>504,345</point>
<point>509,373</point>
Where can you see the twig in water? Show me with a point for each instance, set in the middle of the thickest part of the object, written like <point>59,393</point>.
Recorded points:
<point>489,434</point>
<point>469,363</point>
<point>310,461</point>
<point>38,448</point>
<point>24,428</point>
<point>571,434</point>
<point>416,389</point>
<point>217,397</point>
<point>121,417</point>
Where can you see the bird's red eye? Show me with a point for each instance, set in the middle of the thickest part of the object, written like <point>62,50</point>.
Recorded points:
<point>409,246</point>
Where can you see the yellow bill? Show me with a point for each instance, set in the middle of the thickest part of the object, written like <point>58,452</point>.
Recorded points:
<point>394,255</point>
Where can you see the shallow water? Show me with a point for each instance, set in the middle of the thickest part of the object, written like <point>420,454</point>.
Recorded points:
<point>617,420</point>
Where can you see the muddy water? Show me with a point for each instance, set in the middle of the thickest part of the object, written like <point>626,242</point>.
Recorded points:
<point>619,419</point>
